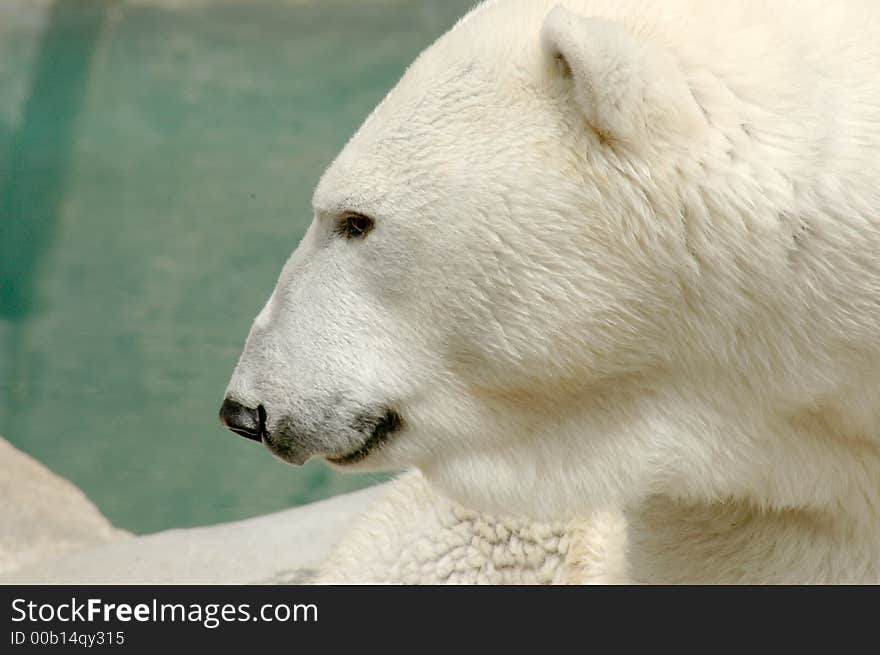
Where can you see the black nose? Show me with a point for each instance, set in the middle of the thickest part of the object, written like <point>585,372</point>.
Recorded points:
<point>244,421</point>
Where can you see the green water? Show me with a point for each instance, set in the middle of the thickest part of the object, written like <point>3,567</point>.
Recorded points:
<point>156,165</point>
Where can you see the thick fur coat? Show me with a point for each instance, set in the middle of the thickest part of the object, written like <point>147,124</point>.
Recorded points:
<point>620,259</point>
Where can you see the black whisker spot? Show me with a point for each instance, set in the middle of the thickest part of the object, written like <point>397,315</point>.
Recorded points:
<point>377,428</point>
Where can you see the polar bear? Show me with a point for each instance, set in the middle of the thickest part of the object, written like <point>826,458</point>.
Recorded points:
<point>415,535</point>
<point>594,258</point>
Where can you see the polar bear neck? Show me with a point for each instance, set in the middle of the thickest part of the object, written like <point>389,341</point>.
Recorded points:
<point>702,442</point>
<point>672,542</point>
<point>413,534</point>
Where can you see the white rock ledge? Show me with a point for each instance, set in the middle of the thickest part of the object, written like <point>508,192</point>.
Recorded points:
<point>43,515</point>
<point>50,533</point>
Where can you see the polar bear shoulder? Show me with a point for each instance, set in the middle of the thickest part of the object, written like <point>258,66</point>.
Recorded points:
<point>414,535</point>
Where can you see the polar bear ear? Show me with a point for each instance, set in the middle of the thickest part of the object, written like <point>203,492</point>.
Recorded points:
<point>626,89</point>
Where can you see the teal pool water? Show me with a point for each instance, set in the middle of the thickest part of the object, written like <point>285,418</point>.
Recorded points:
<point>157,160</point>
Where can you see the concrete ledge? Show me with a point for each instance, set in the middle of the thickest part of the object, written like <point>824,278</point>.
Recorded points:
<point>284,547</point>
<point>43,515</point>
<point>50,533</point>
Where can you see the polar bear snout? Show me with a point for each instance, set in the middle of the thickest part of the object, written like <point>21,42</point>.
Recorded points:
<point>344,439</point>
<point>244,421</point>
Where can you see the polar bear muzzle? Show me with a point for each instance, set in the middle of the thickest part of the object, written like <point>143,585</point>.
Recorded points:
<point>293,443</point>
<point>366,432</point>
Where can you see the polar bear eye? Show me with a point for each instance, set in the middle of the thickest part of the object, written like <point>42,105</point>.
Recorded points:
<point>355,226</point>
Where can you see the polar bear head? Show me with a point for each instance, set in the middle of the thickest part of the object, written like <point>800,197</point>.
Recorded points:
<point>502,285</point>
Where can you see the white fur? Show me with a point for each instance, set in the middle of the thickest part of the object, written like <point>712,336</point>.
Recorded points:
<point>415,536</point>
<point>626,257</point>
